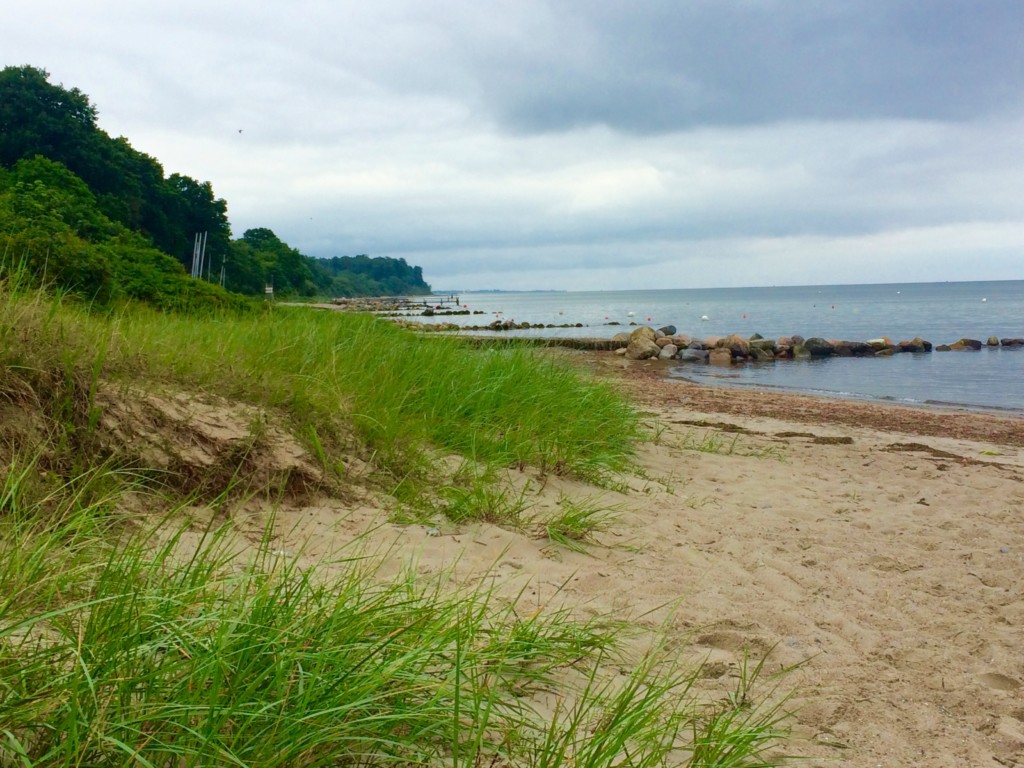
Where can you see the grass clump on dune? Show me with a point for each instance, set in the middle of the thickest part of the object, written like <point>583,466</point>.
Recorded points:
<point>344,382</point>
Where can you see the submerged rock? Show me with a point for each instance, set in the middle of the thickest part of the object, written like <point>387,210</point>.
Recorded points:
<point>720,356</point>
<point>693,355</point>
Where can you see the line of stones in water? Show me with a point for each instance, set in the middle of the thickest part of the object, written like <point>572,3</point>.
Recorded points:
<point>664,343</point>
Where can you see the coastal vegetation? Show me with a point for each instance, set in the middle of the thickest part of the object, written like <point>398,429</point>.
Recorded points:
<point>143,410</point>
<point>132,633</point>
<point>91,214</point>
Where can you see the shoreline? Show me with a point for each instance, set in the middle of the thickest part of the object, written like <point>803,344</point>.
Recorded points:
<point>650,384</point>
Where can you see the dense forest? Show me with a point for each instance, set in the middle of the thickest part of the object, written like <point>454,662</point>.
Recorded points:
<point>91,215</point>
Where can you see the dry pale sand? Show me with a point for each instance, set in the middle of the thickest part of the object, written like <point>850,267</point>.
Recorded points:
<point>883,547</point>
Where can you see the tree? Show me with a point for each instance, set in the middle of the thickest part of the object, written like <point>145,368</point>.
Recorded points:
<point>38,118</point>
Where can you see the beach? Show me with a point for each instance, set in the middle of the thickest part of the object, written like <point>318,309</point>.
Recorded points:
<point>876,549</point>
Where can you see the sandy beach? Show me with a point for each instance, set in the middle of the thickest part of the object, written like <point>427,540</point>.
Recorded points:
<point>880,548</point>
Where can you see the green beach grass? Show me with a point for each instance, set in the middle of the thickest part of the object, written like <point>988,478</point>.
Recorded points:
<point>120,645</point>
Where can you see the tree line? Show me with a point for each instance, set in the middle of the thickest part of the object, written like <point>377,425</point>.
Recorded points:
<point>91,214</point>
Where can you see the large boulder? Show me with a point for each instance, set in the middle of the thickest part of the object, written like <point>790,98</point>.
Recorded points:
<point>762,354</point>
<point>993,341</point>
<point>621,338</point>
<point>764,345</point>
<point>917,344</point>
<point>641,344</point>
<point>735,344</point>
<point>668,352</point>
<point>1012,342</point>
<point>667,330</point>
<point>818,347</point>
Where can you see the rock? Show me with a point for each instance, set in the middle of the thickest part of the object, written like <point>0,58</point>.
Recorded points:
<point>917,344</point>
<point>621,337</point>
<point>735,344</point>
<point>886,352</point>
<point>880,343</point>
<point>711,341</point>
<point>681,340</point>
<point>860,348</point>
<point>664,341</point>
<point>641,344</point>
<point>799,352</point>
<point>943,348</point>
<point>668,352</point>
<point>756,337</point>
<point>1012,342</point>
<point>659,335</point>
<point>993,341</point>
<point>667,330</point>
<point>765,345</point>
<point>818,347</point>
<point>961,344</point>
<point>693,355</point>
<point>720,356</point>
<point>762,354</point>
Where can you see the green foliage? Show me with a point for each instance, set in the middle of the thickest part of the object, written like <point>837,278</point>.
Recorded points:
<point>40,118</point>
<point>71,178</point>
<point>51,223</point>
<point>578,520</point>
<point>170,646</point>
<point>363,276</point>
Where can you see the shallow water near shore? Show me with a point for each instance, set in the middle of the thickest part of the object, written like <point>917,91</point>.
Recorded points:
<point>938,312</point>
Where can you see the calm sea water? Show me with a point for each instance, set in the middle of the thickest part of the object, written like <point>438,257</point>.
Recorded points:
<point>938,312</point>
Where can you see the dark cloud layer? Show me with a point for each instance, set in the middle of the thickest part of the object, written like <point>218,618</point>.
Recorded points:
<point>667,66</point>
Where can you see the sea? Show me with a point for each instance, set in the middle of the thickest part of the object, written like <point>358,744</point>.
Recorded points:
<point>989,379</point>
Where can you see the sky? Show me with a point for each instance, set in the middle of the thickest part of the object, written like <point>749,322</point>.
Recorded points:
<point>578,144</point>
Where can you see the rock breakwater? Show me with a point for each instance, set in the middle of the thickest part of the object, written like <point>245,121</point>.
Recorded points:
<point>645,343</point>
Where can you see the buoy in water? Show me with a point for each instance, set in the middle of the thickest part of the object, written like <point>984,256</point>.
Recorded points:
<point>984,299</point>
<point>744,315</point>
<point>703,318</point>
<point>629,314</point>
<point>648,319</point>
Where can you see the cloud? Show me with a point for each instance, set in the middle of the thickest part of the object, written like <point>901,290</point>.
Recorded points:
<point>542,144</point>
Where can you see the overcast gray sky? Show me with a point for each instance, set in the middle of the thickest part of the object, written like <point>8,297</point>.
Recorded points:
<point>578,145</point>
